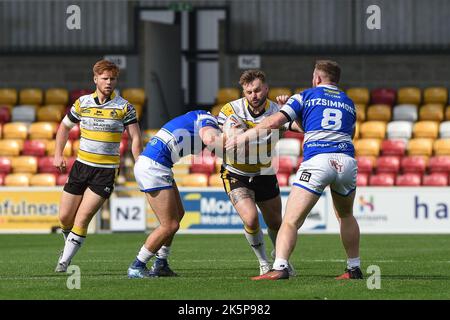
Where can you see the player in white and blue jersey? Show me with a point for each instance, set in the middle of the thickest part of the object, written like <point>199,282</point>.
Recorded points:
<point>328,118</point>
<point>184,135</point>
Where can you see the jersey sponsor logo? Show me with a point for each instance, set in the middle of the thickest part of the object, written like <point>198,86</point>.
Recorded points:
<point>99,113</point>
<point>167,178</point>
<point>342,146</point>
<point>114,114</point>
<point>336,165</point>
<point>85,110</point>
<point>305,176</point>
<point>153,141</point>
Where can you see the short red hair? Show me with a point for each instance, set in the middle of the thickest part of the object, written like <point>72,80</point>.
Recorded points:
<point>105,65</point>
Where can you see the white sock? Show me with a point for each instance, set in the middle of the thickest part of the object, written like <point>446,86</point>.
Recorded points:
<point>353,263</point>
<point>163,252</point>
<point>73,243</point>
<point>256,241</point>
<point>144,255</point>
<point>280,264</point>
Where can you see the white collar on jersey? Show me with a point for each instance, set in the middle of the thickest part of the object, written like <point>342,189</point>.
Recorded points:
<point>330,86</point>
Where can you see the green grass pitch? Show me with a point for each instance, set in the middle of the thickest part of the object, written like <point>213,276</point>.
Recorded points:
<point>220,266</point>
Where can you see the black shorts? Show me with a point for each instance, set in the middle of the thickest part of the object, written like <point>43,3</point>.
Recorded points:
<point>99,180</point>
<point>264,186</point>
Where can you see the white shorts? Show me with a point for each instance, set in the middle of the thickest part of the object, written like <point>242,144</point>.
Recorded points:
<point>151,175</point>
<point>337,170</point>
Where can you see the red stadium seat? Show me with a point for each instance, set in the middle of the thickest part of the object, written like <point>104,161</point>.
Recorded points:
<point>408,180</point>
<point>74,133</point>
<point>365,164</point>
<point>390,164</point>
<point>382,180</point>
<point>294,135</point>
<point>439,164</point>
<point>5,114</point>
<point>362,179</point>
<point>45,165</point>
<point>383,96</point>
<point>62,179</point>
<point>203,164</point>
<point>283,164</point>
<point>394,147</point>
<point>416,164</point>
<point>435,180</point>
<point>75,94</point>
<point>283,179</point>
<point>5,165</point>
<point>34,148</point>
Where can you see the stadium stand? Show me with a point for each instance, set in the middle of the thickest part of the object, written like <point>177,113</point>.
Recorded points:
<point>432,112</point>
<point>17,180</point>
<point>435,95</point>
<point>409,95</point>
<point>359,95</point>
<point>10,147</point>
<point>24,113</point>
<point>5,114</point>
<point>441,147</point>
<point>420,146</point>
<point>379,112</point>
<point>15,130</point>
<point>8,96</point>
<point>278,91</point>
<point>408,180</point>
<point>382,180</point>
<point>37,148</point>
<point>43,180</point>
<point>373,129</point>
<point>5,165</point>
<point>42,130</point>
<point>33,96</point>
<point>24,164</point>
<point>383,96</point>
<point>225,95</point>
<point>405,112</point>
<point>360,111</point>
<point>57,96</point>
<point>435,180</point>
<point>426,129</point>
<point>367,147</point>
<point>53,113</point>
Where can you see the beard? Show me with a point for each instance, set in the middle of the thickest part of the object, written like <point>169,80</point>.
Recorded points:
<point>258,103</point>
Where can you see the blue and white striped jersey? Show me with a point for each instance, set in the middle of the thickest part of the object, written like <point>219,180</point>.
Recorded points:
<point>179,137</point>
<point>328,118</point>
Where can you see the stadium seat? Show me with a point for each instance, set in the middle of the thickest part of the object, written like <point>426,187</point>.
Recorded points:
<point>31,96</point>
<point>15,130</point>
<point>75,94</point>
<point>365,164</point>
<point>225,95</point>
<point>218,164</point>
<point>42,130</point>
<point>201,164</point>
<point>294,135</point>
<point>195,180</point>
<point>35,148</point>
<point>389,164</point>
<point>435,95</point>
<point>379,112</point>
<point>45,165</point>
<point>283,179</point>
<point>360,112</point>
<point>420,146</point>
<point>57,96</point>
<point>447,113</point>
<point>435,180</point>
<point>439,164</point>
<point>357,130</point>
<point>441,147</point>
<point>426,129</point>
<point>399,130</point>
<point>75,147</point>
<point>359,95</point>
<point>444,129</point>
<point>373,129</point>
<point>381,180</point>
<point>74,133</point>
<point>134,95</point>
<point>52,113</point>
<point>288,147</point>
<point>409,95</point>
<point>24,164</point>
<point>362,179</point>
<point>215,180</point>
<point>432,112</point>
<point>10,147</point>
<point>283,164</point>
<point>5,114</point>
<point>8,96</point>
<point>394,147</point>
<point>17,180</point>
<point>67,148</point>
<point>215,110</point>
<point>408,180</point>
<point>416,164</point>
<point>23,113</point>
<point>383,96</point>
<point>1,130</point>
<point>43,180</point>
<point>61,179</point>
<point>278,91</point>
<point>5,165</point>
<point>367,147</point>
<point>405,112</point>
<point>2,179</point>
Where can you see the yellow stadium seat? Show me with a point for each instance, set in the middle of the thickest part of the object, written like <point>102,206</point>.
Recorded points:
<point>15,130</point>
<point>10,147</point>
<point>360,112</point>
<point>420,147</point>
<point>447,113</point>
<point>357,128</point>
<point>24,164</point>
<point>134,95</point>
<point>195,180</point>
<point>432,112</point>
<point>53,113</point>
<point>8,96</point>
<point>43,180</point>
<point>215,110</point>
<point>435,95</point>
<point>17,180</point>
<point>139,109</point>
<point>31,96</point>
<point>379,112</point>
<point>225,95</point>
<point>179,178</point>
<point>67,148</point>
<point>409,95</point>
<point>278,91</point>
<point>42,130</point>
<point>441,147</point>
<point>215,180</point>
<point>57,96</point>
<point>218,164</point>
<point>426,129</point>
<point>359,95</point>
<point>367,147</point>
<point>373,129</point>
